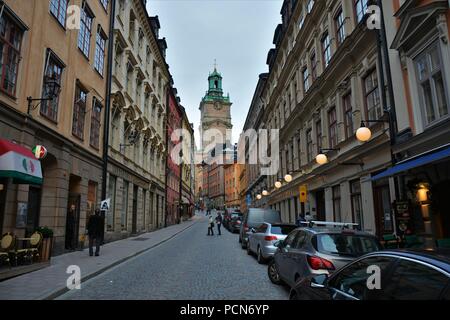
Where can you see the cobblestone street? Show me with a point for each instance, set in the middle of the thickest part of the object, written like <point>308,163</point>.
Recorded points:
<point>189,266</point>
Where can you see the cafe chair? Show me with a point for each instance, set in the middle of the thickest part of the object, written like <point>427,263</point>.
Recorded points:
<point>7,244</point>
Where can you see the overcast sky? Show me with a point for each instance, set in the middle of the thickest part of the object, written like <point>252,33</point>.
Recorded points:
<point>238,33</point>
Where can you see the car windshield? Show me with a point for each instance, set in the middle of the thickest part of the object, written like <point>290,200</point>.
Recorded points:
<point>346,244</point>
<point>282,229</point>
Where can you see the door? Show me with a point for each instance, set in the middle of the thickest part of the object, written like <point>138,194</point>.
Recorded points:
<point>383,214</point>
<point>320,205</point>
<point>34,204</point>
<point>283,256</point>
<point>134,218</point>
<point>295,258</point>
<point>72,221</point>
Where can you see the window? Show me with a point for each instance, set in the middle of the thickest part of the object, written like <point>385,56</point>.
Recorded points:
<point>352,280</point>
<point>356,200</point>
<point>337,203</point>
<point>95,123</point>
<point>332,123</point>
<point>309,145</point>
<point>58,8</point>
<point>431,85</point>
<point>79,111</point>
<point>413,281</point>
<point>339,23</point>
<point>288,242</point>
<point>99,59</point>
<point>313,60</point>
<point>310,5</point>
<point>361,9</point>
<point>300,240</point>
<point>123,215</point>
<point>302,21</point>
<point>10,44</point>
<point>319,135</point>
<point>84,35</point>
<point>326,49</point>
<point>305,80</point>
<point>53,72</point>
<point>104,4</point>
<point>348,115</point>
<point>373,105</point>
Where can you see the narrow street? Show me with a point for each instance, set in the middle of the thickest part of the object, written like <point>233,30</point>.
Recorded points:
<point>189,266</point>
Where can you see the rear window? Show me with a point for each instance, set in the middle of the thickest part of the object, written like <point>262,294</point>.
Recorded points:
<point>282,229</point>
<point>345,244</point>
<point>257,216</point>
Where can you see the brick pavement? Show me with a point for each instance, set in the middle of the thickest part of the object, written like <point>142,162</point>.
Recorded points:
<point>50,282</point>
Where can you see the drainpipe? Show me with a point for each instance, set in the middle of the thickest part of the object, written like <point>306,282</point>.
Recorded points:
<point>107,105</point>
<point>166,126</point>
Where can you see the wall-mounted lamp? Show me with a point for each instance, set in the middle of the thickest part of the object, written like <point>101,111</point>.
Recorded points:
<point>322,158</point>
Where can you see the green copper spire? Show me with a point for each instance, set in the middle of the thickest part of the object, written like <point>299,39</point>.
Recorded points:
<point>215,91</point>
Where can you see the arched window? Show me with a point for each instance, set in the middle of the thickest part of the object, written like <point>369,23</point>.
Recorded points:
<point>216,84</point>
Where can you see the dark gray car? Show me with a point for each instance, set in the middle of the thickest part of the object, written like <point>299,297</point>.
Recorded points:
<point>254,218</point>
<point>317,250</point>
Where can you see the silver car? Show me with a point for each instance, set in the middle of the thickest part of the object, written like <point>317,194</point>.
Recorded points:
<point>261,240</point>
<point>317,250</point>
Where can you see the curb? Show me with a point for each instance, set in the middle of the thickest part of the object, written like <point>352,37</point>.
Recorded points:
<point>60,292</point>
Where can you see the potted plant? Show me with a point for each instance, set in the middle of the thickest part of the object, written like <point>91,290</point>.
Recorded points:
<point>45,250</point>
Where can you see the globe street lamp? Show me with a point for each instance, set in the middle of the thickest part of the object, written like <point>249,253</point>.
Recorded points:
<point>322,158</point>
<point>288,178</point>
<point>278,184</point>
<point>259,196</point>
<point>265,193</point>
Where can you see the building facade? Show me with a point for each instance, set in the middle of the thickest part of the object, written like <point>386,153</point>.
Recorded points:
<point>173,166</point>
<point>232,186</point>
<point>323,81</point>
<point>420,68</point>
<point>42,56</point>
<point>187,172</point>
<point>137,142</point>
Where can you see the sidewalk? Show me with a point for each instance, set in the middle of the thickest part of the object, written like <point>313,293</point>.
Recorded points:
<point>50,282</point>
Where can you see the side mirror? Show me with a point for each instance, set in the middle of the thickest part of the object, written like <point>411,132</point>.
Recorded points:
<point>319,281</point>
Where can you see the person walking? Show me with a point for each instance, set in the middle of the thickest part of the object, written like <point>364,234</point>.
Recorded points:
<point>94,231</point>
<point>219,220</point>
<point>210,226</point>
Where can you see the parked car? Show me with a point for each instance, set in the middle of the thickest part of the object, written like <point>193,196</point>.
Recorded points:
<point>261,240</point>
<point>235,221</point>
<point>253,218</point>
<point>409,274</point>
<point>317,250</point>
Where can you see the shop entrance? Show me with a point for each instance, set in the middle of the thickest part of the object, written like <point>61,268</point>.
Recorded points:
<point>320,205</point>
<point>34,205</point>
<point>134,217</point>
<point>383,214</point>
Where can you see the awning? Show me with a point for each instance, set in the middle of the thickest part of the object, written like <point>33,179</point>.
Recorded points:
<point>185,200</point>
<point>19,163</point>
<point>414,163</point>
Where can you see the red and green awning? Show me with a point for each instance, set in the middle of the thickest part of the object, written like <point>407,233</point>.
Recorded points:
<point>19,163</point>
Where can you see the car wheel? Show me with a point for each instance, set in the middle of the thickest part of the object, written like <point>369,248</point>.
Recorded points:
<point>273,273</point>
<point>260,257</point>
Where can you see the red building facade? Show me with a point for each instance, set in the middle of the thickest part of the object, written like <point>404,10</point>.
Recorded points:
<point>174,117</point>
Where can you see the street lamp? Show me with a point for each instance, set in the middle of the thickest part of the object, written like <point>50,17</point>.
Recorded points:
<point>278,184</point>
<point>322,158</point>
<point>52,90</point>
<point>288,178</point>
<point>259,196</point>
<point>364,134</point>
<point>265,193</point>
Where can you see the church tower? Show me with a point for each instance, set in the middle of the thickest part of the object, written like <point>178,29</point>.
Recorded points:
<point>215,109</point>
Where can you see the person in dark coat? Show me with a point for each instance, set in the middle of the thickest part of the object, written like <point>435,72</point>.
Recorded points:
<point>219,220</point>
<point>94,231</point>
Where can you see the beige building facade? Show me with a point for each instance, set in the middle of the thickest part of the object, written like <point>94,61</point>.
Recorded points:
<point>137,142</point>
<point>44,54</point>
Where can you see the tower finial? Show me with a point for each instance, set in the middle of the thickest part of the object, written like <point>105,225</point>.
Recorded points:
<point>215,65</point>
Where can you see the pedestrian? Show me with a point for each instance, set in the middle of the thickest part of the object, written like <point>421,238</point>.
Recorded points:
<point>219,220</point>
<point>300,219</point>
<point>94,230</point>
<point>210,226</point>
